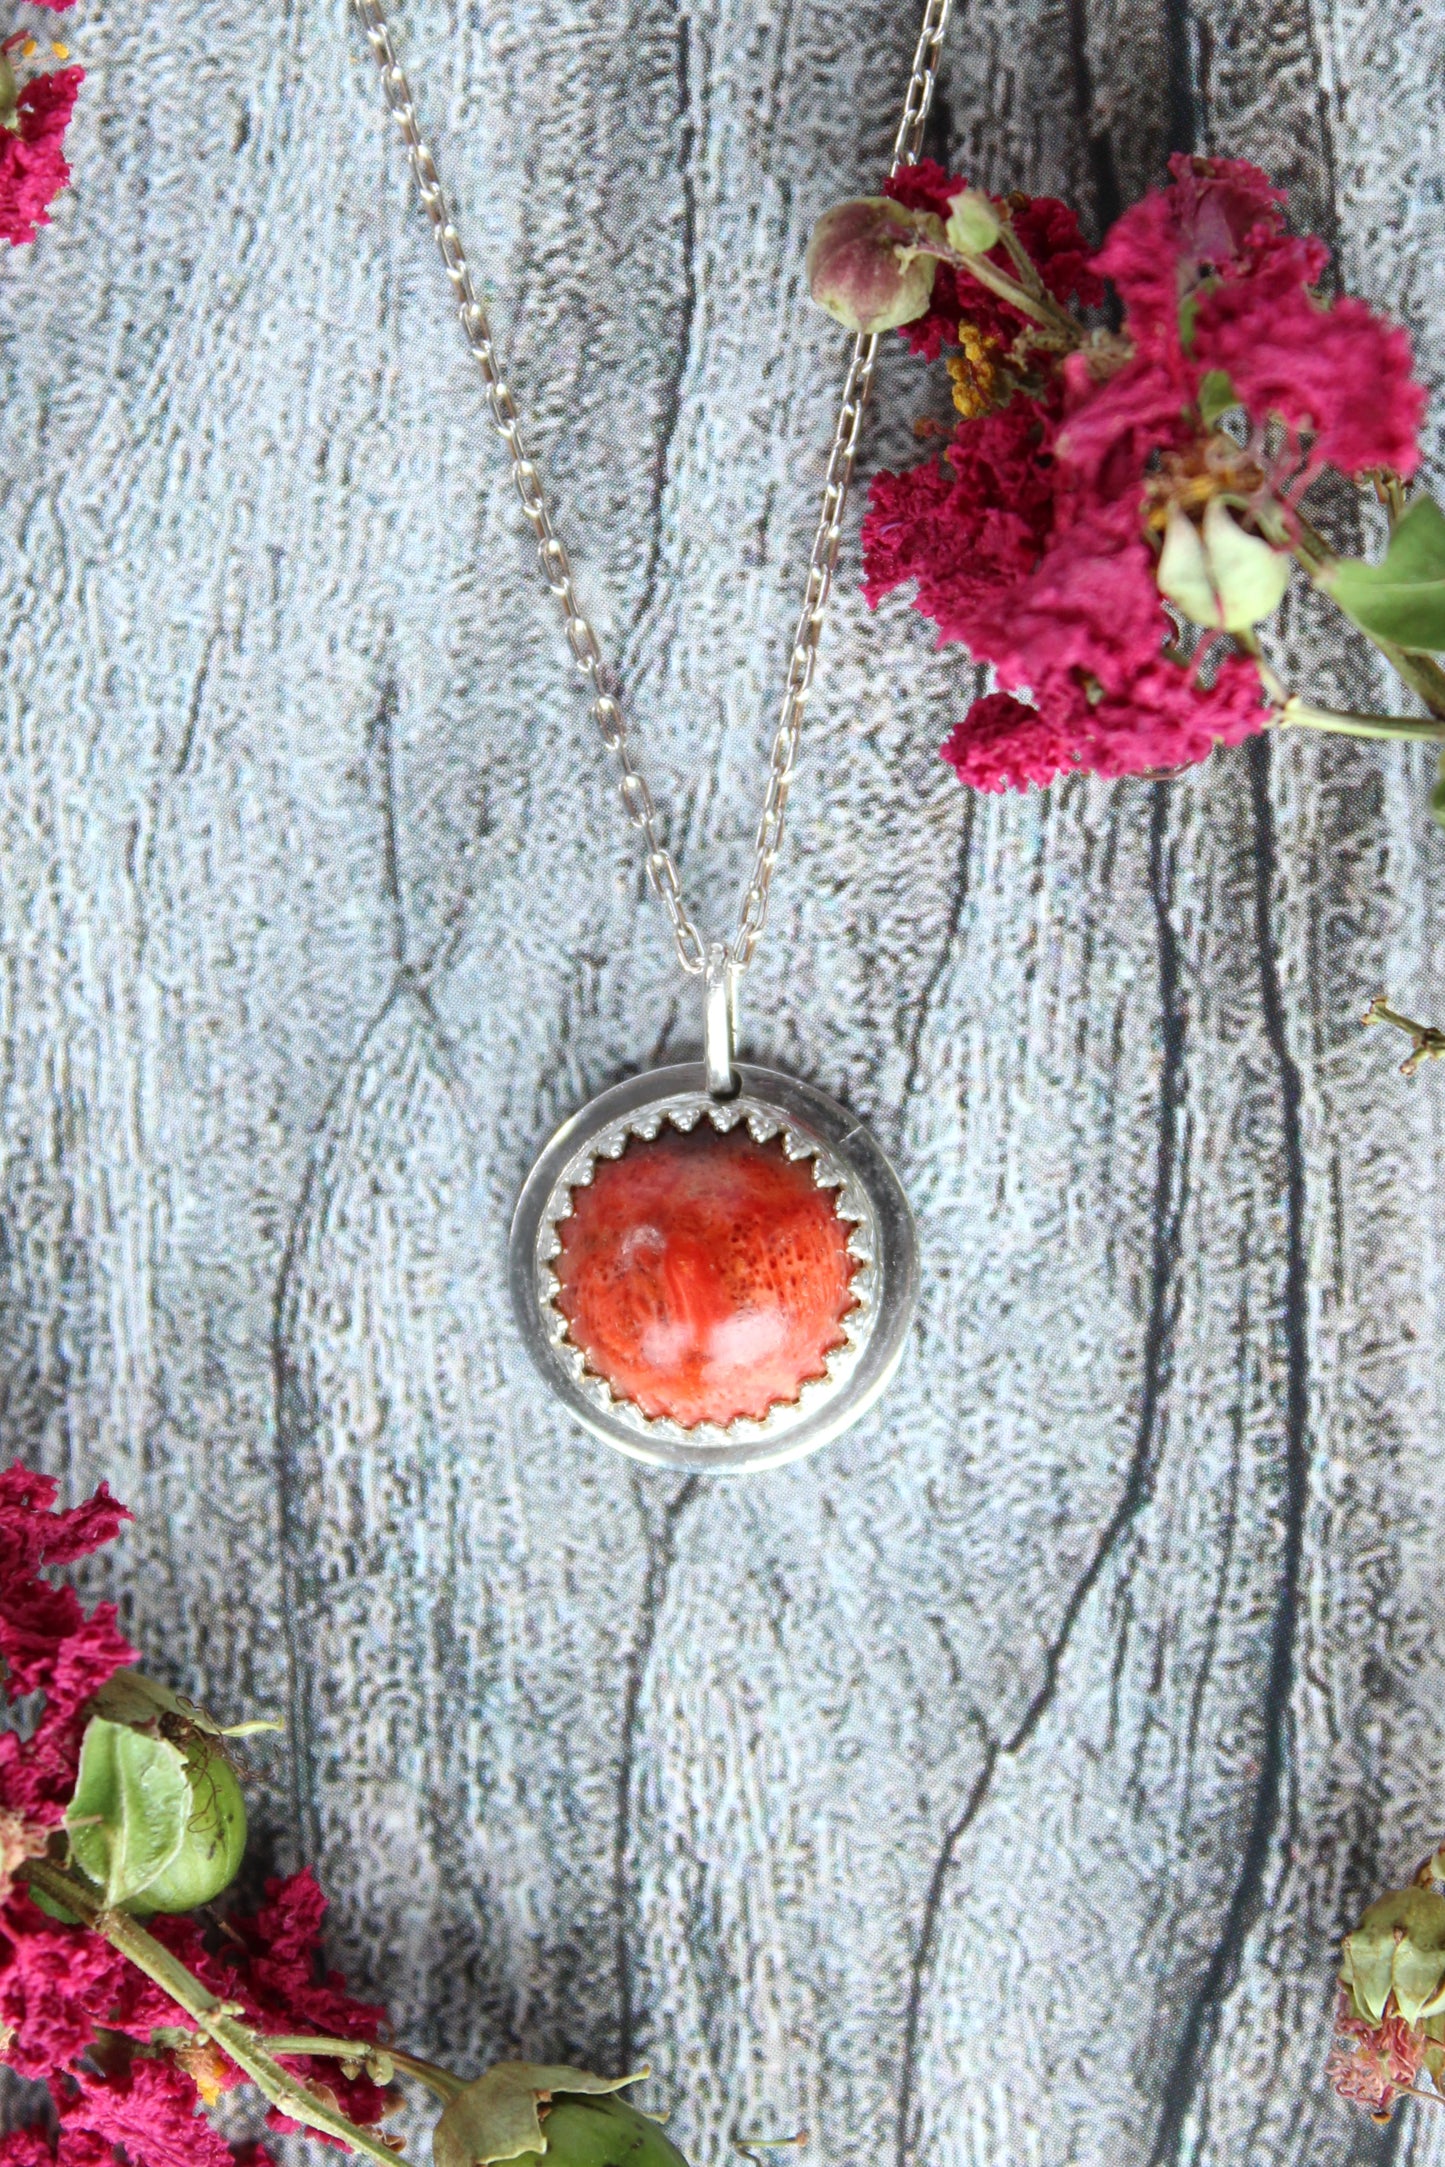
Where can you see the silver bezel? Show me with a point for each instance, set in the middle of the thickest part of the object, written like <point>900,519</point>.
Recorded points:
<point>845,1158</point>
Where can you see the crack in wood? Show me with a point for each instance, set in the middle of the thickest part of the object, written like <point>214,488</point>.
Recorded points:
<point>904,2133</point>
<point>1160,1317</point>
<point>380,735</point>
<point>1270,1805</point>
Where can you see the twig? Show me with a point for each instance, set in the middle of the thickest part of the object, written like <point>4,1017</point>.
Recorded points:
<point>751,2146</point>
<point>1427,1042</point>
<point>440,2081</point>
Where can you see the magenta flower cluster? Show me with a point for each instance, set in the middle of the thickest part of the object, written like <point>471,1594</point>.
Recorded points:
<point>34,116</point>
<point>75,2013</point>
<point>1035,537</point>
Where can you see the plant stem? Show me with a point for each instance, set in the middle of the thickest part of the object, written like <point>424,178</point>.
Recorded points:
<point>1349,725</point>
<point>440,2081</point>
<point>1042,310</point>
<point>1023,262</point>
<point>245,2047</point>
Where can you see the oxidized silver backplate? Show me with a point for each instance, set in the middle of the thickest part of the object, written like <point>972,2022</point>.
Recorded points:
<point>870,1200</point>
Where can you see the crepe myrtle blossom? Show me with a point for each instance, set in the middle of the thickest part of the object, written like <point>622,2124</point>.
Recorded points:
<point>1115,511</point>
<point>75,2013</point>
<point>119,1814</point>
<point>35,108</point>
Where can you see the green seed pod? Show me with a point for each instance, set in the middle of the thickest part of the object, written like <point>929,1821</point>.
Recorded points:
<point>973,223</point>
<point>1224,578</point>
<point>606,2132</point>
<point>158,1824</point>
<point>215,1838</point>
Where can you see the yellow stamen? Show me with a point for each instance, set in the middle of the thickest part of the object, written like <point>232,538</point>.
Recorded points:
<point>974,373</point>
<point>29,49</point>
<point>61,52</point>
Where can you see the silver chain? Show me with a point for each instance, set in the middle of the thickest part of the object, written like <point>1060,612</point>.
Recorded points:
<point>552,558</point>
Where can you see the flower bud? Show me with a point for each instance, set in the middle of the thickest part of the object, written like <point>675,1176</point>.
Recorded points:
<point>861,267</point>
<point>973,223</point>
<point>1223,579</point>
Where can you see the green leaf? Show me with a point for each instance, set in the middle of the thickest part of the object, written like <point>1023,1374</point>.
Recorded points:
<point>1216,396</point>
<point>129,1696</point>
<point>128,1818</point>
<point>1403,599</point>
<point>496,2118</point>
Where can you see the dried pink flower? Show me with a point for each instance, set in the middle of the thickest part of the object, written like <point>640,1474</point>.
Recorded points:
<point>1378,2062</point>
<point>1048,230</point>
<point>33,169</point>
<point>48,1643</point>
<point>62,1986</point>
<point>1037,541</point>
<point>1004,744</point>
<point>1339,376</point>
<point>968,528</point>
<point>148,2111</point>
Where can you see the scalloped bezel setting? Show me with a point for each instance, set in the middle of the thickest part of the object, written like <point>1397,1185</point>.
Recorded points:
<point>868,1198</point>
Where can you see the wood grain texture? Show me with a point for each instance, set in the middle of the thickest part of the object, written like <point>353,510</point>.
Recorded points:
<point>996,1786</point>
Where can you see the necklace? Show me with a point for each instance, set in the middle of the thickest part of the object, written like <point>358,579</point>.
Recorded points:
<point>713,1265</point>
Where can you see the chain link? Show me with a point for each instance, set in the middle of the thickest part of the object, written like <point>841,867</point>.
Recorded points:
<point>554,564</point>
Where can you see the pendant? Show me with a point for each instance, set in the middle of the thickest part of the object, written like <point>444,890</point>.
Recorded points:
<point>714,1265</point>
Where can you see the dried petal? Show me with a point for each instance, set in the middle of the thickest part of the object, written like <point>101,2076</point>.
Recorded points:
<point>33,169</point>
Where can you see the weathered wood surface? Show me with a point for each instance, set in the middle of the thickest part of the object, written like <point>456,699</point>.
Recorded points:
<point>994,1787</point>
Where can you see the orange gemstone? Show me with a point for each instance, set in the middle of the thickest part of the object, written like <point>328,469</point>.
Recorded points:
<point>704,1275</point>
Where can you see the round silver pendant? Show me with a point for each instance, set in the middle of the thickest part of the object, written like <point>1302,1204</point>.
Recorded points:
<point>845,1160</point>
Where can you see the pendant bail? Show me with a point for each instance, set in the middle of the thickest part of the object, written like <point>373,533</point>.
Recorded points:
<point>720,1020</point>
